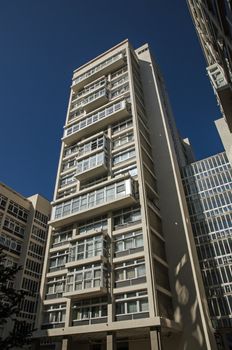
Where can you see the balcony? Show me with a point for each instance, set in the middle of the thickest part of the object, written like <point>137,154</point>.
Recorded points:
<point>88,279</point>
<point>92,101</point>
<point>52,325</point>
<point>99,120</point>
<point>112,63</point>
<point>111,197</point>
<point>92,167</point>
<point>95,144</point>
<point>91,292</point>
<point>77,262</point>
<point>223,90</point>
<point>95,100</point>
<point>217,76</point>
<point>90,88</point>
<point>54,296</point>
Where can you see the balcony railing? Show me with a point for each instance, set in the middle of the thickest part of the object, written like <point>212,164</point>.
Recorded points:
<point>95,100</point>
<point>92,101</point>
<point>91,88</point>
<point>92,166</point>
<point>93,146</point>
<point>75,256</point>
<point>116,61</point>
<point>88,281</point>
<point>106,198</point>
<point>99,119</point>
<point>217,76</point>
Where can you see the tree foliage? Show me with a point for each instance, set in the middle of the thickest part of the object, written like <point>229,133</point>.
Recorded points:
<point>10,301</point>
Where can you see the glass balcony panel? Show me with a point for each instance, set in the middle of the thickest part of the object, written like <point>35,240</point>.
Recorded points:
<point>112,113</point>
<point>80,204</point>
<point>102,68</point>
<point>92,166</point>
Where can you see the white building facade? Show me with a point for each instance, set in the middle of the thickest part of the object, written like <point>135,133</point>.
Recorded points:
<point>121,269</point>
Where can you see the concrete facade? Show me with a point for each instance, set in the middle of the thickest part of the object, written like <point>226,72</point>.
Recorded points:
<point>121,269</point>
<point>23,235</point>
<point>226,137</point>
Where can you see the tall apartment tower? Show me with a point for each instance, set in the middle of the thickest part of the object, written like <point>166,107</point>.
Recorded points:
<point>208,187</point>
<point>121,269</point>
<point>23,236</point>
<point>213,22</point>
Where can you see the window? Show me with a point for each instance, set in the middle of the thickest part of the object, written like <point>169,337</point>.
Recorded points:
<point>85,164</point>
<point>69,164</point>
<point>92,145</point>
<point>122,140</point>
<point>55,287</point>
<point>62,236</point>
<point>123,156</point>
<point>119,81</point>
<point>68,179</point>
<point>126,216</point>
<point>30,285</point>
<point>41,217</point>
<point>58,260</point>
<point>128,271</point>
<point>87,248</point>
<point>14,227</point>
<point>120,90</point>
<point>132,170</point>
<point>118,73</point>
<point>131,303</point>
<point>3,201</point>
<point>54,315</point>
<point>98,67</point>
<point>93,198</point>
<point>85,277</point>
<point>38,234</point>
<point>70,150</point>
<point>36,250</point>
<point>10,243</point>
<point>90,310</point>
<point>122,125</point>
<point>96,225</point>
<point>18,211</point>
<point>94,96</point>
<point>93,118</point>
<point>128,241</point>
<point>97,84</point>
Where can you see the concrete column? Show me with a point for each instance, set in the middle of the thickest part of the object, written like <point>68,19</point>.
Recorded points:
<point>68,313</point>
<point>155,338</point>
<point>66,343</point>
<point>75,230</point>
<point>110,275</point>
<point>110,341</point>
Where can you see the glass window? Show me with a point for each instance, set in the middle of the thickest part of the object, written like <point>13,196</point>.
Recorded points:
<point>132,307</point>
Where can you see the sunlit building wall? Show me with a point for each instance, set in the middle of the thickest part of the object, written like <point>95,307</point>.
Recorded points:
<point>121,269</point>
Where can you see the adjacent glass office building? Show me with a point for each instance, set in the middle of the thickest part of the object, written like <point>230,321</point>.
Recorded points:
<point>208,187</point>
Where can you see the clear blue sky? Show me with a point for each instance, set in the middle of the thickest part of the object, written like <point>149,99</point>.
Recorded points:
<point>43,41</point>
